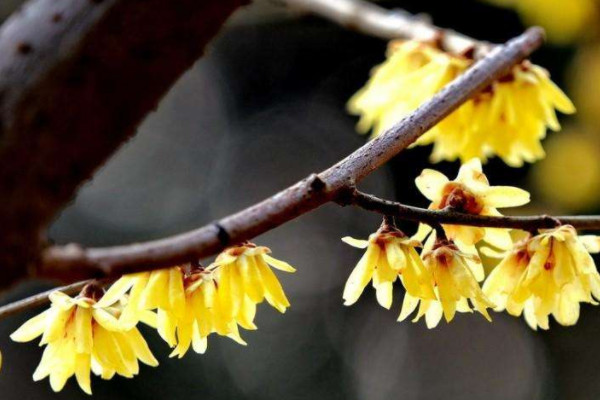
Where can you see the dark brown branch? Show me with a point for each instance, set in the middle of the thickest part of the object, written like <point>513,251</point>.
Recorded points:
<point>435,217</point>
<point>373,20</point>
<point>76,78</point>
<point>73,262</point>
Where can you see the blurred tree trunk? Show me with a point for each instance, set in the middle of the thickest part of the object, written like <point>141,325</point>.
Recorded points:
<point>76,79</point>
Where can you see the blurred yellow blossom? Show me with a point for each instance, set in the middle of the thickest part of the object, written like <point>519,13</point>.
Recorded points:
<point>412,74</point>
<point>83,337</point>
<point>390,254</point>
<point>553,178</point>
<point>470,193</point>
<point>508,119</point>
<point>455,286</point>
<point>564,21</point>
<point>548,274</point>
<point>583,76</point>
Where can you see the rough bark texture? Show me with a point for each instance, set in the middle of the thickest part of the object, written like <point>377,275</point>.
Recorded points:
<point>76,78</point>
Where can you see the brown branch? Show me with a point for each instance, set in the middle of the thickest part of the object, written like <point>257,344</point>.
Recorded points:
<point>373,20</point>
<point>39,299</point>
<point>76,78</point>
<point>72,262</point>
<point>436,217</point>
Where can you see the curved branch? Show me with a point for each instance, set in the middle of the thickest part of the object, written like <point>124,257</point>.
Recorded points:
<point>435,217</point>
<point>373,20</point>
<point>73,262</point>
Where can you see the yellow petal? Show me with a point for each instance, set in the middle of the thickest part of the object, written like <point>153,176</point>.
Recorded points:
<point>82,372</point>
<point>116,291</point>
<point>591,243</point>
<point>361,275</point>
<point>83,330</point>
<point>358,243</point>
<point>273,291</point>
<point>278,264</point>
<point>176,292</point>
<point>32,328</point>
<point>251,278</point>
<point>409,304</point>
<point>139,345</point>
<point>199,343</point>
<point>430,183</point>
<point>106,320</point>
<point>505,196</point>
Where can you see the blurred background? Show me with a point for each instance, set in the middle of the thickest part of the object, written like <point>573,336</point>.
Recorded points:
<point>266,107</point>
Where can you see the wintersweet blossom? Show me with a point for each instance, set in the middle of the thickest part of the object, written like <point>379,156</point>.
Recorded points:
<point>508,119</point>
<point>192,304</point>
<point>82,337</point>
<point>225,295</point>
<point>564,21</point>
<point>160,290</point>
<point>390,255</point>
<point>456,285</point>
<point>548,274</point>
<point>412,74</point>
<point>470,193</point>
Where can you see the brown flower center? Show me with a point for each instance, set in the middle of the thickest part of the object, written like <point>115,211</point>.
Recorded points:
<point>457,197</point>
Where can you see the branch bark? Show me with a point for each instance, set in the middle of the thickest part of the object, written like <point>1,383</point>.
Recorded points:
<point>73,262</point>
<point>435,217</point>
<point>370,19</point>
<point>39,299</point>
<point>76,78</point>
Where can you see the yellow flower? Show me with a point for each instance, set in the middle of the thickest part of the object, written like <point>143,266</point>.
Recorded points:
<point>390,254</point>
<point>470,193</point>
<point>564,21</point>
<point>509,118</point>
<point>80,337</point>
<point>411,75</point>
<point>224,295</point>
<point>455,285</point>
<point>549,274</point>
<point>161,289</point>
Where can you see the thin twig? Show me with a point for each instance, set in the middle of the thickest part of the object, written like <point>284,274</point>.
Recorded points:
<point>38,299</point>
<point>74,263</point>
<point>434,217</point>
<point>373,20</point>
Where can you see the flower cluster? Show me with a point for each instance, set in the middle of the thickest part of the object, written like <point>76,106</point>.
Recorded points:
<point>81,336</point>
<point>443,279</point>
<point>549,273</point>
<point>96,331</point>
<point>390,255</point>
<point>508,119</point>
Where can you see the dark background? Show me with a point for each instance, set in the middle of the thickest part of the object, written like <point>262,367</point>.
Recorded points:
<point>264,108</point>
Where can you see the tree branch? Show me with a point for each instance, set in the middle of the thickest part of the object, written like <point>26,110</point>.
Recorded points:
<point>373,20</point>
<point>435,217</point>
<point>76,78</point>
<point>73,262</point>
<point>38,299</point>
